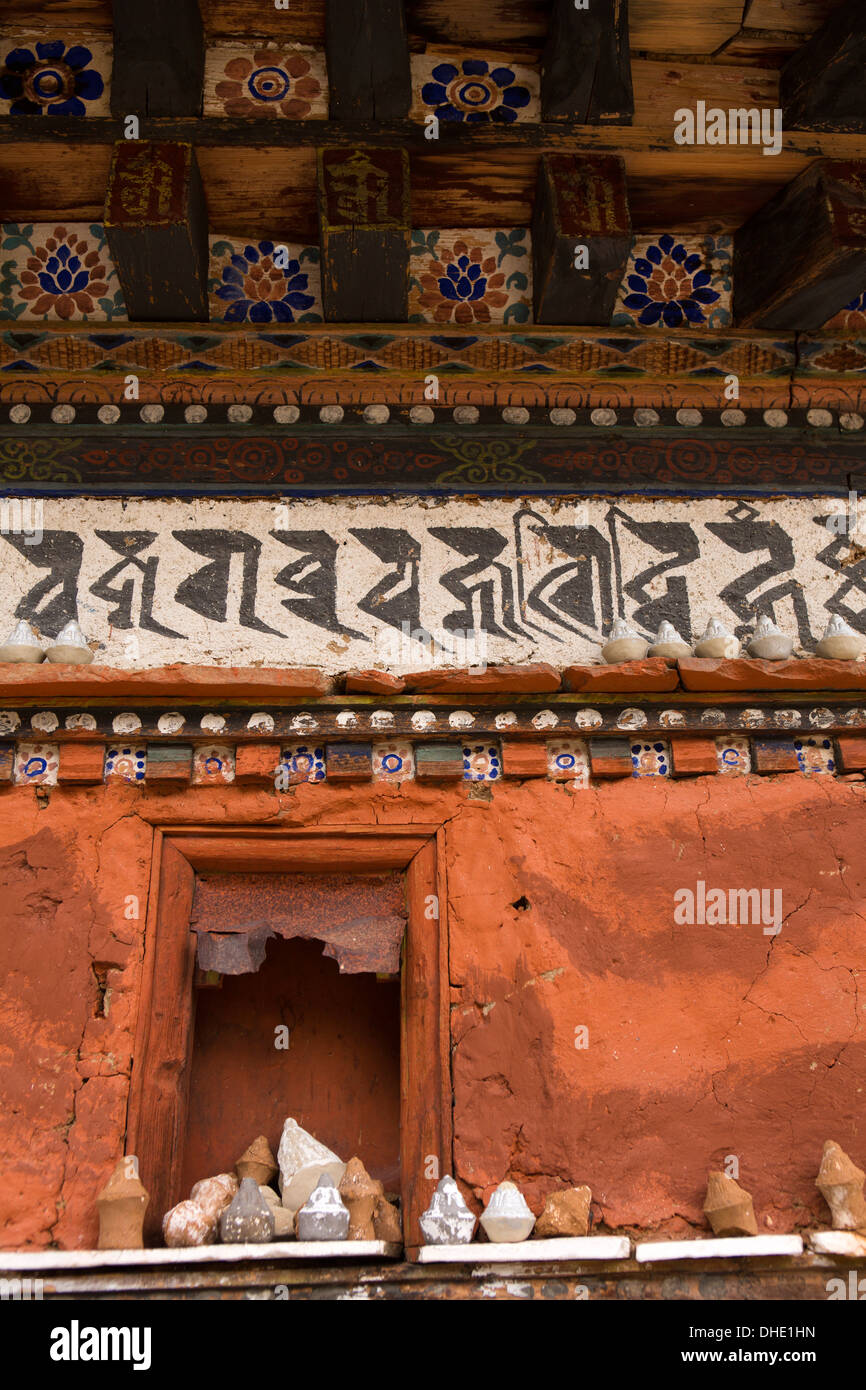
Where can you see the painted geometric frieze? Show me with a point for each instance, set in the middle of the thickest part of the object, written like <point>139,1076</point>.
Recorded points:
<point>54,75</point>
<point>267,79</point>
<point>478,89</point>
<point>264,282</point>
<point>303,762</point>
<point>815,756</point>
<point>470,277</point>
<point>53,272</point>
<point>482,762</point>
<point>346,582</point>
<point>677,282</point>
<point>128,761</point>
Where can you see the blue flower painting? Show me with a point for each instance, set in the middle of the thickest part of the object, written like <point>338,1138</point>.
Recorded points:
<point>50,79</point>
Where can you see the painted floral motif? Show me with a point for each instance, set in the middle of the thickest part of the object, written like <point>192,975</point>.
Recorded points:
<point>815,756</point>
<point>393,762</point>
<point>673,283</point>
<point>128,761</point>
<point>851,319</point>
<point>53,79</point>
<point>62,272</point>
<point>470,277</point>
<point>650,760</point>
<point>481,763</point>
<point>568,761</point>
<point>213,762</point>
<point>272,80</point>
<point>303,763</point>
<point>264,282</point>
<point>733,756</point>
<point>37,763</point>
<point>474,90</point>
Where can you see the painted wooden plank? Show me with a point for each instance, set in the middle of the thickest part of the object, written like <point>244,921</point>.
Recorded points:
<point>349,762</point>
<point>257,762</point>
<point>586,66</point>
<point>425,1091</point>
<point>693,757</point>
<point>822,85</point>
<point>802,257</point>
<point>156,220</point>
<point>368,60</point>
<point>528,1251</point>
<point>852,752</point>
<point>365,233</point>
<point>7,762</point>
<point>774,755</point>
<point>158,58</point>
<point>610,757</point>
<point>81,762</point>
<point>581,238</point>
<point>438,761</point>
<point>169,762</point>
<point>524,759</point>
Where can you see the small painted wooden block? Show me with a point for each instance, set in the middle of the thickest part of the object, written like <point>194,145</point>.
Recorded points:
<point>568,761</point>
<point>365,227</point>
<point>349,762</point>
<point>852,753</point>
<point>816,756</point>
<point>482,762</point>
<point>438,760</point>
<point>393,762</point>
<point>264,282</point>
<point>774,755</point>
<point>127,761</point>
<point>480,88</point>
<point>81,762</point>
<point>693,757</point>
<point>470,276</point>
<point>169,762</point>
<point>650,758</point>
<point>581,238</point>
<point>303,762</point>
<point>610,757</point>
<point>274,79</point>
<point>37,283</point>
<point>57,73</point>
<point>523,759</point>
<point>37,763</point>
<point>7,761</point>
<point>257,762</point>
<point>677,282</point>
<point>213,762</point>
<point>734,756</point>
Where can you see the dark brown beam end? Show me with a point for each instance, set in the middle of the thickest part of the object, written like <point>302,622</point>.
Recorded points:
<point>581,238</point>
<point>365,227</point>
<point>158,58</point>
<point>157,226</point>
<point>822,86</point>
<point>368,60</point>
<point>802,257</point>
<point>586,65</point>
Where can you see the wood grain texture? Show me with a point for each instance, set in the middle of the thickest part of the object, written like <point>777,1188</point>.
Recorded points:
<point>365,232</point>
<point>368,60</point>
<point>158,58</point>
<point>425,1090</point>
<point>579,203</point>
<point>822,85</point>
<point>586,64</point>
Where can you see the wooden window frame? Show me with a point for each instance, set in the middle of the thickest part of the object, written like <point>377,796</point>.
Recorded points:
<point>157,1115</point>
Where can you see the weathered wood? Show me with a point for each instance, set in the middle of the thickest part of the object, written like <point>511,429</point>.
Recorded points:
<point>438,761</point>
<point>693,757</point>
<point>774,755</point>
<point>157,225</point>
<point>610,757</point>
<point>581,238</point>
<point>169,762</point>
<point>586,66</point>
<point>822,85</point>
<point>425,1084</point>
<point>158,58</point>
<point>803,257</point>
<point>365,234</point>
<point>349,762</point>
<point>368,60</point>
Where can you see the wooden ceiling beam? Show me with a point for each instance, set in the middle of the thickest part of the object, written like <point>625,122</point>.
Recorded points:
<point>802,257</point>
<point>586,64</point>
<point>368,60</point>
<point>581,238</point>
<point>365,230</point>
<point>157,228</point>
<point>822,85</point>
<point>158,58</point>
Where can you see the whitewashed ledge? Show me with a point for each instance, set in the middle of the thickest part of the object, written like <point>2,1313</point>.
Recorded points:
<point>846,1243</point>
<point>17,1261</point>
<point>528,1251</point>
<point>724,1248</point>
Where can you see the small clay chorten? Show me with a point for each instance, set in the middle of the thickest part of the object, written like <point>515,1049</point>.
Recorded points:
<point>729,1208</point>
<point>565,1214</point>
<point>122,1203</point>
<point>247,1220</point>
<point>360,1193</point>
<point>386,1222</point>
<point>447,1220</point>
<point>257,1162</point>
<point>840,1183</point>
<point>324,1215</point>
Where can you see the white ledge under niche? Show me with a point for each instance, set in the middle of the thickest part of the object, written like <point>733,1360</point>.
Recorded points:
<point>721,1248</point>
<point>529,1251</point>
<point>21,1260</point>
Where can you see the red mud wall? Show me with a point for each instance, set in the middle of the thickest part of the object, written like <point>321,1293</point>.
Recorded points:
<point>702,1041</point>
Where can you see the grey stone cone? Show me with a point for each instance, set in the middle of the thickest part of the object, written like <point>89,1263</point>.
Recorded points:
<point>447,1220</point>
<point>247,1220</point>
<point>324,1216</point>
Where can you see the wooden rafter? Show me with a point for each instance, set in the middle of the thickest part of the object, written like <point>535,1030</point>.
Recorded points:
<point>158,58</point>
<point>822,85</point>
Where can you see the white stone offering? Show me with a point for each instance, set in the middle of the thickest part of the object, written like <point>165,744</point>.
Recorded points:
<point>324,1215</point>
<point>303,1160</point>
<point>22,644</point>
<point>447,1220</point>
<point>717,642</point>
<point>507,1216</point>
<point>669,643</point>
<point>623,644</point>
<point>840,642</point>
<point>768,642</point>
<point>70,647</point>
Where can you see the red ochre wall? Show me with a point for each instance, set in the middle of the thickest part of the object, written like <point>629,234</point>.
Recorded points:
<point>703,1041</point>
